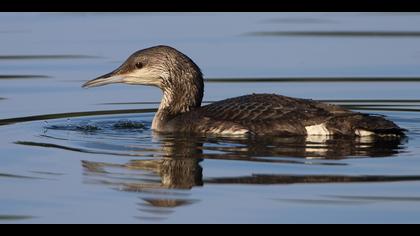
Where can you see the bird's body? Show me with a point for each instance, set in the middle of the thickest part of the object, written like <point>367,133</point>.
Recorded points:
<point>271,114</point>
<point>180,110</point>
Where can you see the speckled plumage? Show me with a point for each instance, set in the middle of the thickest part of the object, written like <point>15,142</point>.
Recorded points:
<point>181,82</point>
<point>271,114</point>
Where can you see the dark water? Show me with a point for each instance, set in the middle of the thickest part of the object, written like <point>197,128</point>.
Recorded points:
<point>88,156</point>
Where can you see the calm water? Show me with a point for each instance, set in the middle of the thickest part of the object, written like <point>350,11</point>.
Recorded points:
<point>70,155</point>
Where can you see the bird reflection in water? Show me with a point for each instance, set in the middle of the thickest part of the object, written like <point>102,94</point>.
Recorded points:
<point>166,179</point>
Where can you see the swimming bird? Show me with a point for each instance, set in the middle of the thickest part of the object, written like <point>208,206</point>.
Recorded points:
<point>180,110</point>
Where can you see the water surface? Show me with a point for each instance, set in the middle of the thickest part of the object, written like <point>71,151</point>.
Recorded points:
<point>70,155</point>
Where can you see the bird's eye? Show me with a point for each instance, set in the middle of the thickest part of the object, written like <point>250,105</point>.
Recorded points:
<point>139,65</point>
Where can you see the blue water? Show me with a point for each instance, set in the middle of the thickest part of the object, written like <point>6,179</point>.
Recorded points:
<point>70,155</point>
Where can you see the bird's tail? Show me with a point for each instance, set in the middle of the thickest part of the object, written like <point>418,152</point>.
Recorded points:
<point>379,126</point>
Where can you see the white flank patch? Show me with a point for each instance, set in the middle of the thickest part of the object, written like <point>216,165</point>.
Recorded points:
<point>317,134</point>
<point>229,132</point>
<point>362,133</point>
<point>317,130</point>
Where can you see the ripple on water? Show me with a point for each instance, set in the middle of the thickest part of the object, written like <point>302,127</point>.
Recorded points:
<point>4,175</point>
<point>105,126</point>
<point>376,34</point>
<point>15,217</point>
<point>11,77</point>
<point>133,137</point>
<point>163,168</point>
<point>45,57</point>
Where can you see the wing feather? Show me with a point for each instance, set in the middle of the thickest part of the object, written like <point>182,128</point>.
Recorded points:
<point>271,113</point>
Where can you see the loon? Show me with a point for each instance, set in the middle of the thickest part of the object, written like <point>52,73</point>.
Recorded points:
<point>180,110</point>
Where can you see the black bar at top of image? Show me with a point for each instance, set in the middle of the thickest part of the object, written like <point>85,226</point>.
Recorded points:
<point>213,5</point>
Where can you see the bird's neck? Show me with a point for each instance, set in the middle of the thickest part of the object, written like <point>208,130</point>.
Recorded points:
<point>179,97</point>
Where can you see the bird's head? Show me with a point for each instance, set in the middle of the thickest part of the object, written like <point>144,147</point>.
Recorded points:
<point>161,66</point>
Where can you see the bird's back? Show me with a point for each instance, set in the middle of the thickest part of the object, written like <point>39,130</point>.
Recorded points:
<point>271,114</point>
